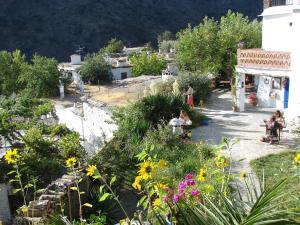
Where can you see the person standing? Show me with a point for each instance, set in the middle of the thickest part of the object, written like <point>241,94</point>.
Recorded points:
<point>190,98</point>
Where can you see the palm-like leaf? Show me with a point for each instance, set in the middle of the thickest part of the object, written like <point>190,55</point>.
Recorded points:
<point>260,209</point>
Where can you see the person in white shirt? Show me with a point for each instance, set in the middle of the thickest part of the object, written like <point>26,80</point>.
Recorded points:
<point>190,98</point>
<point>176,124</point>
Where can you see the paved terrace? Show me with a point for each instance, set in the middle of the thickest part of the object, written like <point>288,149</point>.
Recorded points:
<point>243,125</point>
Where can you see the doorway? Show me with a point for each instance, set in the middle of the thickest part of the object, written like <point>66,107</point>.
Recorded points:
<point>123,76</point>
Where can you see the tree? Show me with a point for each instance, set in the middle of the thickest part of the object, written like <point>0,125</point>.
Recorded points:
<point>41,78</point>
<point>95,68</point>
<point>197,48</point>
<point>144,64</point>
<point>114,46</point>
<point>166,46</point>
<point>165,36</point>
<point>233,29</point>
<point>10,69</point>
<point>212,46</point>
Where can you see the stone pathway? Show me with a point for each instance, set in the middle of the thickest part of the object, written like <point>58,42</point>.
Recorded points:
<point>243,125</point>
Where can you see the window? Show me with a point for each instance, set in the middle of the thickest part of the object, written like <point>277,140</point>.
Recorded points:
<point>276,83</point>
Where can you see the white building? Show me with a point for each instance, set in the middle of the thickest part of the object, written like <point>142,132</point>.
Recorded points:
<point>72,69</point>
<point>274,70</point>
<point>120,67</point>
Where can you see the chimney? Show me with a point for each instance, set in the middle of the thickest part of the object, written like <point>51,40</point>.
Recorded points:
<point>267,4</point>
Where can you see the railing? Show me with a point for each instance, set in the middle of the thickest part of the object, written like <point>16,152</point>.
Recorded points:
<point>280,2</point>
<point>258,58</point>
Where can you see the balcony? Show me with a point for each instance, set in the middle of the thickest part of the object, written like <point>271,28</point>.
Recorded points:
<point>261,59</point>
<point>271,3</point>
<point>280,2</point>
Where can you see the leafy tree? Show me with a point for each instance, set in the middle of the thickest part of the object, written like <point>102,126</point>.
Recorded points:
<point>165,36</point>
<point>212,46</point>
<point>233,29</point>
<point>114,46</point>
<point>166,46</point>
<point>10,69</point>
<point>41,78</point>
<point>144,64</point>
<point>70,146</point>
<point>201,85</point>
<point>197,48</point>
<point>95,68</point>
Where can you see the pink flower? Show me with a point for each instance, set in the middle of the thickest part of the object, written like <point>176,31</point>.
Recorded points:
<point>189,176</point>
<point>191,182</point>
<point>181,186</point>
<point>177,197</point>
<point>195,192</point>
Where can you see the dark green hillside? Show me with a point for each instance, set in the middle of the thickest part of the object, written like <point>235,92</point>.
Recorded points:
<point>56,27</point>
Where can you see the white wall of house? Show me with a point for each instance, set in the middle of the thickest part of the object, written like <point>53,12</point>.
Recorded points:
<point>277,32</point>
<point>294,93</point>
<point>117,72</point>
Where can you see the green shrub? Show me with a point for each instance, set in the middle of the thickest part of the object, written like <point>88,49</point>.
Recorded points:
<point>201,85</point>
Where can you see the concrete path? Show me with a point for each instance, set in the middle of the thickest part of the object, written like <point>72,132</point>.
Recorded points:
<point>245,126</point>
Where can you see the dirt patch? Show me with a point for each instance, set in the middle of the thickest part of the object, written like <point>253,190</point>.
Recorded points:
<point>120,92</point>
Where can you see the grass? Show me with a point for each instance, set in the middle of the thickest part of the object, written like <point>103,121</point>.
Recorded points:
<point>276,167</point>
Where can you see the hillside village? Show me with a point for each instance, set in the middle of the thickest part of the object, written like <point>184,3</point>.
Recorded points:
<point>204,129</point>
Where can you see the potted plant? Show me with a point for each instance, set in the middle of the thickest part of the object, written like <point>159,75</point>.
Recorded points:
<point>253,99</point>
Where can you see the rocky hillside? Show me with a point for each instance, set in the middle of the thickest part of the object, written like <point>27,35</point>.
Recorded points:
<point>56,27</point>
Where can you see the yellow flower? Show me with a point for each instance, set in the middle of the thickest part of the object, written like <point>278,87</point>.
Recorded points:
<point>243,175</point>
<point>12,156</point>
<point>297,159</point>
<point>70,162</point>
<point>202,175</point>
<point>159,186</point>
<point>156,203</point>
<point>162,164</point>
<point>137,183</point>
<point>91,170</point>
<point>146,169</point>
<point>221,161</point>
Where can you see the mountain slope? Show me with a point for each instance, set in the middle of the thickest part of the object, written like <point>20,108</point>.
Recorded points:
<point>56,27</point>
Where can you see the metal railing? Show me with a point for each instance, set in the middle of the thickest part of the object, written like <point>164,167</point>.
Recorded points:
<point>280,2</point>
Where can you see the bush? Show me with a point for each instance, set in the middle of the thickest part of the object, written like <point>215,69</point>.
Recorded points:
<point>144,64</point>
<point>201,85</point>
<point>95,68</point>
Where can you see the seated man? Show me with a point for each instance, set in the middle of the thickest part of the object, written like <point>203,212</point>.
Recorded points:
<point>185,118</point>
<point>176,124</point>
<point>271,130</point>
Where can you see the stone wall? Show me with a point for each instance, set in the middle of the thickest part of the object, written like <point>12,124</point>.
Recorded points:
<point>5,216</point>
<point>56,198</point>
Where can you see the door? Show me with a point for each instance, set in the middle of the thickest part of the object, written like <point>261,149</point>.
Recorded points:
<point>286,93</point>
<point>123,76</point>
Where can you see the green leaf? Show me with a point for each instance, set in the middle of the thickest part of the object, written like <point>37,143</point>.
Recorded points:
<point>14,191</point>
<point>11,172</point>
<point>104,197</point>
<point>87,205</point>
<point>74,188</point>
<point>28,186</point>
<point>101,189</point>
<point>112,181</point>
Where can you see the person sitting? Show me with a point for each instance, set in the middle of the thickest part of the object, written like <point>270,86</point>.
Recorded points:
<point>185,118</point>
<point>279,119</point>
<point>271,130</point>
<point>176,124</point>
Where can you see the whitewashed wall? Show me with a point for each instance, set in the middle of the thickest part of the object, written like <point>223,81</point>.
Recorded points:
<point>277,32</point>
<point>96,126</point>
<point>117,72</point>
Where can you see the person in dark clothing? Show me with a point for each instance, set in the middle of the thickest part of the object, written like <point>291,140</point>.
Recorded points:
<point>272,127</point>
